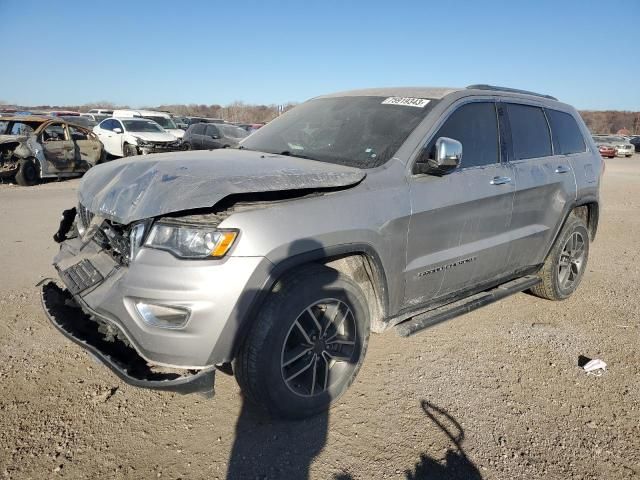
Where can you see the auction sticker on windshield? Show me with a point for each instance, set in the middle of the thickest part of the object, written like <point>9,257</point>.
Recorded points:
<point>406,101</point>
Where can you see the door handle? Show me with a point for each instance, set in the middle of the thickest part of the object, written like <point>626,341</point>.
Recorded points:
<point>562,169</point>
<point>500,180</point>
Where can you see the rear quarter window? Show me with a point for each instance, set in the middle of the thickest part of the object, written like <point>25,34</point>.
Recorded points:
<point>529,131</point>
<point>567,137</point>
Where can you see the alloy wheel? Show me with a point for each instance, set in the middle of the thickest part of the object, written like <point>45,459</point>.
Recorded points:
<point>571,261</point>
<point>319,348</point>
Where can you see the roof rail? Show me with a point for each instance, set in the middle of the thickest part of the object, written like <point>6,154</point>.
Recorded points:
<point>506,89</point>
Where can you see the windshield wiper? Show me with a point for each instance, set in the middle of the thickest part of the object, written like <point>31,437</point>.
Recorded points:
<point>287,153</point>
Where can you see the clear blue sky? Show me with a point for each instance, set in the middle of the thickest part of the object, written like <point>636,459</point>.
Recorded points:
<point>152,52</point>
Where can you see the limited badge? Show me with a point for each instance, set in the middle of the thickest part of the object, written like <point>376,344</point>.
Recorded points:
<point>406,101</point>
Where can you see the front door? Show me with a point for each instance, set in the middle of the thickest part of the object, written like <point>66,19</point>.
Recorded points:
<point>459,228</point>
<point>211,138</point>
<point>58,148</point>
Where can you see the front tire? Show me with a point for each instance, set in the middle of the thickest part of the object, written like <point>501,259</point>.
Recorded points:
<point>129,150</point>
<point>566,263</point>
<point>28,173</point>
<point>306,344</point>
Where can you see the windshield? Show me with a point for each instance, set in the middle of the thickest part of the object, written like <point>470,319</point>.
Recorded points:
<point>163,122</point>
<point>233,132</point>
<point>141,126</point>
<point>361,132</point>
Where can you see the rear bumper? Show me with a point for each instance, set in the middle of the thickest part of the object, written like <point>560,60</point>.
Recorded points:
<point>624,153</point>
<point>69,319</point>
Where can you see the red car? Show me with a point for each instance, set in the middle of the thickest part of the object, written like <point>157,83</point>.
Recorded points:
<point>607,151</point>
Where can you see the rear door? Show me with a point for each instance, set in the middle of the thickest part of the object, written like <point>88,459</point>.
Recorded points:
<point>459,228</point>
<point>58,148</point>
<point>88,148</point>
<point>545,183</point>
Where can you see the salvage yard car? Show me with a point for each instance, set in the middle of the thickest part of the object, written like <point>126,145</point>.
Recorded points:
<point>161,118</point>
<point>352,213</point>
<point>622,146</point>
<point>33,148</point>
<point>126,137</point>
<point>209,136</point>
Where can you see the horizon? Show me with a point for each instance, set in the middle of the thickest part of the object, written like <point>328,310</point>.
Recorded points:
<point>270,54</point>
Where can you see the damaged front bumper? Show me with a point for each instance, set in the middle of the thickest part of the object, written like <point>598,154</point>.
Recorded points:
<point>68,318</point>
<point>146,149</point>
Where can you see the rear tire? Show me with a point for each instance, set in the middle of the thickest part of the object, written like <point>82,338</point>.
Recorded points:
<point>566,263</point>
<point>28,173</point>
<point>306,344</point>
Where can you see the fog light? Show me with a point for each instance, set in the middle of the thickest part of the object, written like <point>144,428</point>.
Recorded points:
<point>163,315</point>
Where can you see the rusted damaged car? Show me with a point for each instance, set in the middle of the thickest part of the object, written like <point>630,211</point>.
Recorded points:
<point>34,147</point>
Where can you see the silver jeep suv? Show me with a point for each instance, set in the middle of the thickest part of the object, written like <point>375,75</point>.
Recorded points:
<point>353,213</point>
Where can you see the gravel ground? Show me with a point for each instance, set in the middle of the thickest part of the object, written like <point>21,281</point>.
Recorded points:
<point>495,394</point>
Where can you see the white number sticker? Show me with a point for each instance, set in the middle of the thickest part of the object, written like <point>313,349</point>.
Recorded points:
<point>406,101</point>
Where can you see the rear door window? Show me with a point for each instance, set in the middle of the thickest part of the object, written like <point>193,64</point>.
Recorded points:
<point>529,131</point>
<point>475,126</point>
<point>567,137</point>
<point>78,134</point>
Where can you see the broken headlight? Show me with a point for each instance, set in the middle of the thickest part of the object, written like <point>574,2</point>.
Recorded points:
<point>191,241</point>
<point>135,239</point>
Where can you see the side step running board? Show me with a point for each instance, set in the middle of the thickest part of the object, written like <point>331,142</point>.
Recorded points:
<point>447,312</point>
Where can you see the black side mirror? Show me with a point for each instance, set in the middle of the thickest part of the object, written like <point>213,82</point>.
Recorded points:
<point>444,158</point>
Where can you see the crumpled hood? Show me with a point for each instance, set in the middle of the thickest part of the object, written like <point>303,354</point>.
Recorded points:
<point>138,187</point>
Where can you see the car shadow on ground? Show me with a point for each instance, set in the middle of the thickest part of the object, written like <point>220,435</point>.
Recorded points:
<point>273,449</point>
<point>266,448</point>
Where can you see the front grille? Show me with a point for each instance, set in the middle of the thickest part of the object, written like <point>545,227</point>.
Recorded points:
<point>111,236</point>
<point>84,215</point>
<point>80,277</point>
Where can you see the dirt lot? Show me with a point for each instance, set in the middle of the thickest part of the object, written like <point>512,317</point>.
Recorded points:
<point>493,394</point>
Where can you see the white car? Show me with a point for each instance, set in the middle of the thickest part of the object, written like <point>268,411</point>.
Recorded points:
<point>161,118</point>
<point>101,111</point>
<point>124,137</point>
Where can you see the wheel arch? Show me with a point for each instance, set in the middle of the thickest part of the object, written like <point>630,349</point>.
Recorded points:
<point>360,262</point>
<point>588,209</point>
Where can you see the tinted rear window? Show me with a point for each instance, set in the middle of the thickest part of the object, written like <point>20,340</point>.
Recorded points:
<point>567,137</point>
<point>529,131</point>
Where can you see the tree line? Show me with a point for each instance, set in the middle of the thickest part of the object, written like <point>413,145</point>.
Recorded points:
<point>609,121</point>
